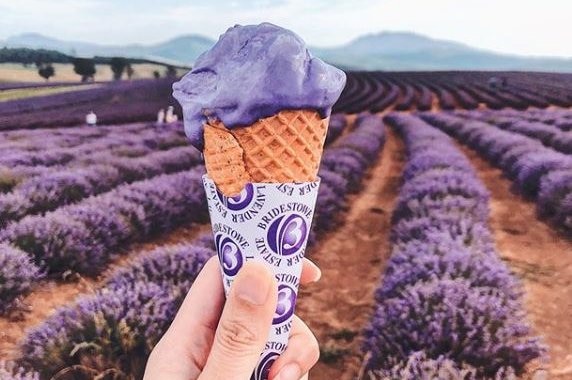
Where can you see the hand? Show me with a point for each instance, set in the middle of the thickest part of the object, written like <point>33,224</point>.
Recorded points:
<point>211,339</point>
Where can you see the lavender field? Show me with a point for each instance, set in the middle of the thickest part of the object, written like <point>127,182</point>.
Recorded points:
<point>443,228</point>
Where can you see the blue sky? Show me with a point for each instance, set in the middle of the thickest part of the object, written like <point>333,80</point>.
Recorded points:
<point>528,27</point>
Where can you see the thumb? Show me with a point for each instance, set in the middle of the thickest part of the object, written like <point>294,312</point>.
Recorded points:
<point>244,324</point>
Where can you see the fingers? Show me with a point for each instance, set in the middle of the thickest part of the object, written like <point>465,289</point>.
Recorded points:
<point>310,272</point>
<point>301,355</point>
<point>183,350</point>
<point>244,324</point>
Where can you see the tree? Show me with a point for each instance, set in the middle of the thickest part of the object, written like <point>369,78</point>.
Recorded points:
<point>46,71</point>
<point>28,56</point>
<point>156,74</point>
<point>118,65</point>
<point>129,71</point>
<point>171,72</point>
<point>84,67</point>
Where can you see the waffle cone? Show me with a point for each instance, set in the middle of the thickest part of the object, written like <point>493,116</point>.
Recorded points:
<point>223,159</point>
<point>286,147</point>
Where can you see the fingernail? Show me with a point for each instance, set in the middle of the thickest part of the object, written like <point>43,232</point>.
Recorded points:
<point>317,270</point>
<point>252,288</point>
<point>318,275</point>
<point>290,372</point>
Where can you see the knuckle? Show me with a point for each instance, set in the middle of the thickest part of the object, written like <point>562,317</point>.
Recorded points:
<point>237,336</point>
<point>155,352</point>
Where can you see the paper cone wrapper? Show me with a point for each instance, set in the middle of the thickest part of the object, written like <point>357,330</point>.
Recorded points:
<point>269,223</point>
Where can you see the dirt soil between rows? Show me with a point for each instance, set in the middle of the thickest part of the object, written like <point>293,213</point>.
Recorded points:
<point>541,258</point>
<point>352,258</point>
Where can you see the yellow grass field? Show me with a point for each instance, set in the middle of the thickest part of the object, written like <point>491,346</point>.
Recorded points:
<point>39,91</point>
<point>15,72</point>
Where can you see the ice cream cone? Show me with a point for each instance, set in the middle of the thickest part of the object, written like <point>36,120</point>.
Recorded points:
<point>262,170</point>
<point>286,147</point>
<point>269,223</point>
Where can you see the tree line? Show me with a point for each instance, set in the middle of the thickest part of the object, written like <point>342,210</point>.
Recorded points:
<point>85,67</point>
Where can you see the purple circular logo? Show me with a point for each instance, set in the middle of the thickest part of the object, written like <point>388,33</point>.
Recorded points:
<point>263,369</point>
<point>229,255</point>
<point>286,303</point>
<point>239,202</point>
<point>287,234</point>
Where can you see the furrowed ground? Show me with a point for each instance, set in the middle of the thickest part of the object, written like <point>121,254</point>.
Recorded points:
<point>541,258</point>
<point>352,258</point>
<point>353,253</point>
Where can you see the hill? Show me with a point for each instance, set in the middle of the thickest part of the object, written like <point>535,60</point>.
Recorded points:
<point>183,49</point>
<point>410,51</point>
<point>381,51</point>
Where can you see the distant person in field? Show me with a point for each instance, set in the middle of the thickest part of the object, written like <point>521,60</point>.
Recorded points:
<point>91,119</point>
<point>161,116</point>
<point>213,339</point>
<point>170,117</point>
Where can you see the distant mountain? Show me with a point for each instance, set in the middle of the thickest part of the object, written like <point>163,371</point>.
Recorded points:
<point>183,49</point>
<point>382,51</point>
<point>410,51</point>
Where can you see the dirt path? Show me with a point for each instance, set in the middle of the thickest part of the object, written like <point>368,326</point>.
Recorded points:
<point>50,295</point>
<point>541,258</point>
<point>352,258</point>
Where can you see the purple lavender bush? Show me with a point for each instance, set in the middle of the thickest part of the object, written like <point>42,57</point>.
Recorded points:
<point>418,366</point>
<point>17,275</point>
<point>447,304</point>
<point>454,319</point>
<point>354,152</point>
<point>556,185</point>
<point>524,160</point>
<point>11,371</point>
<point>336,126</point>
<point>84,236</point>
<point>344,165</point>
<point>119,325</point>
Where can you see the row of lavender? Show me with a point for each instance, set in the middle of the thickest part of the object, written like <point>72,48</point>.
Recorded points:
<point>19,163</point>
<point>32,153</point>
<point>560,118</point>
<point>550,135</point>
<point>84,236</point>
<point>127,143</point>
<point>123,102</point>
<point>33,140</point>
<point>344,165</point>
<point>48,191</point>
<point>537,171</point>
<point>377,91</point>
<point>141,300</point>
<point>448,307</point>
<point>116,328</point>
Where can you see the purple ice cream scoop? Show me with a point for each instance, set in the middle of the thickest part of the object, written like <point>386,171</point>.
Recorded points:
<point>254,72</point>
